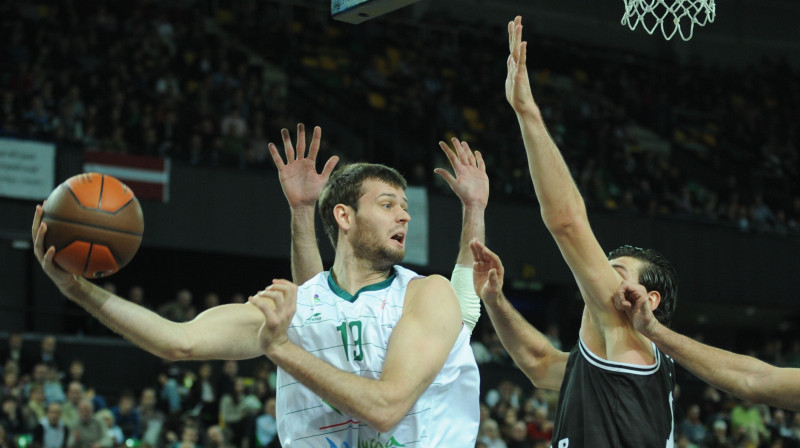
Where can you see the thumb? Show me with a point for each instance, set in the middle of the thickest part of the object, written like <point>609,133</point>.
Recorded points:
<point>494,281</point>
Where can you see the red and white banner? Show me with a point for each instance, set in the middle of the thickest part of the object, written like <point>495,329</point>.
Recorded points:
<point>148,177</point>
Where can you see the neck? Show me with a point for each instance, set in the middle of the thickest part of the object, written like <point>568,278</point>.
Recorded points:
<point>352,274</point>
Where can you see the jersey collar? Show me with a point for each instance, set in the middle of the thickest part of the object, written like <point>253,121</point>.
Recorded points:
<point>352,298</point>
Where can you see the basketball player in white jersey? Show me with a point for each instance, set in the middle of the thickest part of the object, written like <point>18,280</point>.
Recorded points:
<point>390,362</point>
<point>615,386</point>
<point>302,185</point>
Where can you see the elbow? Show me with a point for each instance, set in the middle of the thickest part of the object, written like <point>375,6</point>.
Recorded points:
<point>564,219</point>
<point>388,415</point>
<point>178,348</point>
<point>386,421</point>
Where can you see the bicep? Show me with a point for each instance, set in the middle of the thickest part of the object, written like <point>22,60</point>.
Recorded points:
<point>226,332</point>
<point>422,339</point>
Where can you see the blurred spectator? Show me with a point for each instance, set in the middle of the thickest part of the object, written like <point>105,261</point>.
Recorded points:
<point>51,432</point>
<point>11,416</point>
<point>113,433</point>
<point>5,440</point>
<point>75,372</point>
<point>518,436</point>
<point>267,426</point>
<point>490,435</point>
<point>152,418</point>
<point>541,427</point>
<point>48,353</point>
<point>88,432</point>
<point>210,300</point>
<point>70,408</point>
<point>202,398</point>
<point>36,406</point>
<point>780,431</point>
<point>136,295</point>
<point>127,416</point>
<point>190,437</point>
<point>216,438</point>
<point>180,309</point>
<point>719,436</point>
<point>237,411</point>
<point>14,351</point>
<point>53,390</point>
<point>230,372</point>
<point>692,427</point>
<point>746,422</point>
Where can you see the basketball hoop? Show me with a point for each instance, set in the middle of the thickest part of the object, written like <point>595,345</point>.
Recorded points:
<point>672,16</point>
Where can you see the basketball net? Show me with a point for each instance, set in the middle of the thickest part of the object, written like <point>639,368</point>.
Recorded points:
<point>671,16</point>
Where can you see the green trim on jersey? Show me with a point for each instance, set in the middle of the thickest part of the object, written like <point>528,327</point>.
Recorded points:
<point>336,289</point>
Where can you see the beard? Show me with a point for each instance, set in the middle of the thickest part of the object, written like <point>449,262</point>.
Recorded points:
<point>371,248</point>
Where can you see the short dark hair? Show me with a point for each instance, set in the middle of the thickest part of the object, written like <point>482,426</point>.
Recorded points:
<point>345,187</point>
<point>657,274</point>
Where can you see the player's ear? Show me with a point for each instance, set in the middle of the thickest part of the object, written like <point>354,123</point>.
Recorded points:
<point>343,215</point>
<point>654,297</point>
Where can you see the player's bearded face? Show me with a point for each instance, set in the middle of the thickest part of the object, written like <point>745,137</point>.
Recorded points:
<point>372,245</point>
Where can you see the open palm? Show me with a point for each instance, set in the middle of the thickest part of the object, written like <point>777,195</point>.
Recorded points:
<point>298,176</point>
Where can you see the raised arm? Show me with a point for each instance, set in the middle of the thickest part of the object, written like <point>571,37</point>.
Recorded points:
<point>471,185</point>
<point>223,332</point>
<point>418,348</point>
<point>743,376</point>
<point>562,207</point>
<point>301,185</point>
<point>542,363</point>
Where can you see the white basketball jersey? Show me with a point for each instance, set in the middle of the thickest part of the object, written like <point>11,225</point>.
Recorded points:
<point>352,334</point>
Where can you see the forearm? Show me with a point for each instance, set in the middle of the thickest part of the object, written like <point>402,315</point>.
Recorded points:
<point>306,259</point>
<point>473,226</point>
<point>137,324</point>
<point>742,376</point>
<point>559,198</point>
<point>374,402</point>
<point>528,347</point>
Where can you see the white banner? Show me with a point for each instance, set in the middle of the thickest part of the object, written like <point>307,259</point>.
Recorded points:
<point>417,238</point>
<point>27,169</point>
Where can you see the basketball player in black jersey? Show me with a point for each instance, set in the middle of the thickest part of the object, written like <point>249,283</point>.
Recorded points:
<point>615,386</point>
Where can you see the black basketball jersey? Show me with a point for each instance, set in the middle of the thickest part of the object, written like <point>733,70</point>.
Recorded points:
<point>605,404</point>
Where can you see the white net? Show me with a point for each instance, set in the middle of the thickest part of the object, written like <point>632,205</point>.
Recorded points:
<point>671,16</point>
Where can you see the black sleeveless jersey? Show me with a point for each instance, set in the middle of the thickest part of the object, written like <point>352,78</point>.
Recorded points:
<point>605,404</point>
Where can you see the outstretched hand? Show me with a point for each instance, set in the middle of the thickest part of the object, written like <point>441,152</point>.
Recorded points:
<point>278,302</point>
<point>487,272</point>
<point>518,85</point>
<point>299,178</point>
<point>470,183</point>
<point>632,298</point>
<point>60,277</point>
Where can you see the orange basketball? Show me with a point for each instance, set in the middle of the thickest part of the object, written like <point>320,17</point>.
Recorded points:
<point>95,223</point>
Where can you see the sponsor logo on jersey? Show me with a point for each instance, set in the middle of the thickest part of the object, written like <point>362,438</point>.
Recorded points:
<point>391,443</point>
<point>316,317</point>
